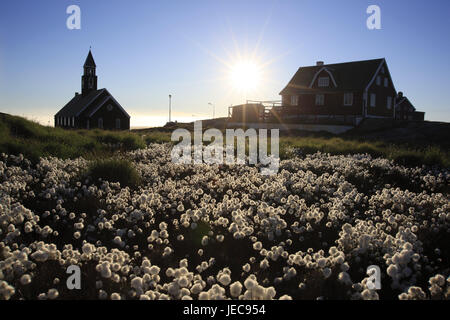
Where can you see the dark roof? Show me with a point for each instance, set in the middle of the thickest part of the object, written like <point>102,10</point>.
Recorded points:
<point>87,105</point>
<point>78,103</point>
<point>89,60</point>
<point>403,103</point>
<point>349,76</point>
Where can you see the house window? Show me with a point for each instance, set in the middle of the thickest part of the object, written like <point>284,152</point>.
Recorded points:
<point>378,81</point>
<point>320,99</point>
<point>294,100</point>
<point>324,81</point>
<point>386,82</point>
<point>348,99</point>
<point>100,123</point>
<point>117,123</point>
<point>382,69</point>
<point>389,103</point>
<point>73,121</point>
<point>373,98</point>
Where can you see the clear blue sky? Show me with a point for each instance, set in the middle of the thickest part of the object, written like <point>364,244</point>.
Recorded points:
<point>145,50</point>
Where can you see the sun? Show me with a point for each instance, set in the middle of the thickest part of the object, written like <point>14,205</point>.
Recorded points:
<point>245,75</point>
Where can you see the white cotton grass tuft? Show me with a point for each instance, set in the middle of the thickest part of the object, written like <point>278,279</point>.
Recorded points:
<point>174,237</point>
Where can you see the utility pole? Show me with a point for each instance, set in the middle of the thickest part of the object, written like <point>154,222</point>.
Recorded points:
<point>214,109</point>
<point>170,108</point>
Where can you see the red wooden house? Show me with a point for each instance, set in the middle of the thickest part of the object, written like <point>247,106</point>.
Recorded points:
<point>344,92</point>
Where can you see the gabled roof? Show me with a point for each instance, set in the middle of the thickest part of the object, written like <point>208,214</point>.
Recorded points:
<point>89,60</point>
<point>349,76</point>
<point>78,103</point>
<point>87,105</point>
<point>403,103</point>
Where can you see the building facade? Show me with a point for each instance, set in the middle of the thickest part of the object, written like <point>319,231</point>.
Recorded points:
<point>92,108</point>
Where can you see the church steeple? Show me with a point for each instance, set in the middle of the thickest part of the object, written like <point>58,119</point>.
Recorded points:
<point>89,79</point>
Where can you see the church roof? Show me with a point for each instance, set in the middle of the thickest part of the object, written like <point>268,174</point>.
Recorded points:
<point>88,104</point>
<point>78,103</point>
<point>89,60</point>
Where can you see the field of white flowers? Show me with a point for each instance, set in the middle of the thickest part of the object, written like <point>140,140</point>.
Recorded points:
<point>225,232</point>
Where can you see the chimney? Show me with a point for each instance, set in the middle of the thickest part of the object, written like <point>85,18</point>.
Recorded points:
<point>400,95</point>
<point>76,93</point>
<point>319,63</point>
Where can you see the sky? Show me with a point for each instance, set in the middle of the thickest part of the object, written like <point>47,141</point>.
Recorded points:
<point>146,50</point>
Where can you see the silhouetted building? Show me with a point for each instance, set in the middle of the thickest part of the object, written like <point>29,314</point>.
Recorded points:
<point>349,91</point>
<point>404,109</point>
<point>93,108</point>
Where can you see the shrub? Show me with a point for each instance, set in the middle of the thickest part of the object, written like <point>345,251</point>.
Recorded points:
<point>115,170</point>
<point>132,142</point>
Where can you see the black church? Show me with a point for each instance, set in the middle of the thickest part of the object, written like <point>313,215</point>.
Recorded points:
<point>93,108</point>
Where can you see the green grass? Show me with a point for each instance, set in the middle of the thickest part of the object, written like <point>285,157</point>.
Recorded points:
<point>403,154</point>
<point>19,135</point>
<point>114,170</point>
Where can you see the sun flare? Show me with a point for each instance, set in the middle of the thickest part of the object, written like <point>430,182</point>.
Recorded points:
<point>245,75</point>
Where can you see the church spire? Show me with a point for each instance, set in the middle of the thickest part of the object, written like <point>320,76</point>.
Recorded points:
<point>89,79</point>
<point>89,60</point>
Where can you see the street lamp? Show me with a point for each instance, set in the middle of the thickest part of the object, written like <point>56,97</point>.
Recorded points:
<point>214,109</point>
<point>170,107</point>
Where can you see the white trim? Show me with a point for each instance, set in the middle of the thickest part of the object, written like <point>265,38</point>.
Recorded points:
<point>318,72</point>
<point>323,82</point>
<point>373,100</point>
<point>294,98</point>
<point>88,104</point>
<point>350,94</point>
<point>400,102</point>
<point>389,102</point>
<point>376,74</point>
<point>112,98</point>
<point>378,117</point>
<point>118,104</point>
<point>383,62</point>
<point>321,101</point>
<point>99,106</point>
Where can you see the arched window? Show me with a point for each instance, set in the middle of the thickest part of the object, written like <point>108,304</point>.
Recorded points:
<point>117,123</point>
<point>100,123</point>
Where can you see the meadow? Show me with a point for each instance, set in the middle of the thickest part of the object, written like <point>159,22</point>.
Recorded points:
<point>142,227</point>
<point>22,136</point>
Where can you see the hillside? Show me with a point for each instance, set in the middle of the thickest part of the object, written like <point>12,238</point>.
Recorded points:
<point>411,144</point>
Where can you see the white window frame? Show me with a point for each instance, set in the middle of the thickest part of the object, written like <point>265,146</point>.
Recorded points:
<point>373,100</point>
<point>320,99</point>
<point>386,82</point>
<point>378,81</point>
<point>389,103</point>
<point>323,82</point>
<point>294,100</point>
<point>348,99</point>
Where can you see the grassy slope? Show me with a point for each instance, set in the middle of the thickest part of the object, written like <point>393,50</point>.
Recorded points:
<point>18,135</point>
